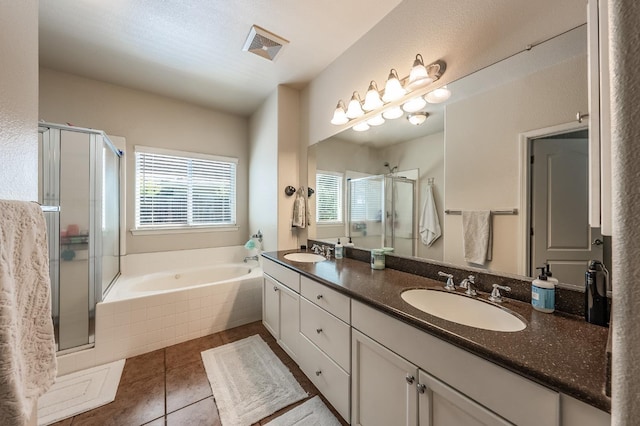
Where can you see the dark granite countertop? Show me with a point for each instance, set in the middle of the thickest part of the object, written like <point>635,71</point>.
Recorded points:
<point>559,351</point>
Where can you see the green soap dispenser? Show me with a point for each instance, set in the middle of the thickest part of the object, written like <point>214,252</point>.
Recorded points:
<point>543,293</point>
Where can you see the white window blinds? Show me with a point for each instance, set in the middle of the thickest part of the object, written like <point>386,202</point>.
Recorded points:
<point>181,189</point>
<point>366,199</point>
<point>329,197</point>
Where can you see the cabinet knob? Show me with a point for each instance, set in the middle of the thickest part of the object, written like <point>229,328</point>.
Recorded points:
<point>421,388</point>
<point>318,330</point>
<point>319,297</point>
<point>275,288</point>
<point>410,379</point>
<point>318,372</point>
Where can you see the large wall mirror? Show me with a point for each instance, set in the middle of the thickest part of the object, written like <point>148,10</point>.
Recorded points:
<point>474,153</point>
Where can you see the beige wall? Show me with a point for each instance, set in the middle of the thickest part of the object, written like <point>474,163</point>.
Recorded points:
<point>19,100</point>
<point>152,120</point>
<point>482,167</point>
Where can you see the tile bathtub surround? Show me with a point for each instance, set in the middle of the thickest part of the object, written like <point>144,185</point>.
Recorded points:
<point>170,387</point>
<point>568,300</point>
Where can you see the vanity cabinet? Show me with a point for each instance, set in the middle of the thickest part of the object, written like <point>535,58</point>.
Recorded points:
<point>281,306</point>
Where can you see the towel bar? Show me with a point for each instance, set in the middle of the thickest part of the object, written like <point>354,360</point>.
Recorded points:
<point>501,212</point>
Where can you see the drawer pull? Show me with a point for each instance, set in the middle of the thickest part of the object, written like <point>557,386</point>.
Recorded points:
<point>421,388</point>
<point>318,372</point>
<point>319,297</point>
<point>410,379</point>
<point>318,330</point>
<point>275,288</point>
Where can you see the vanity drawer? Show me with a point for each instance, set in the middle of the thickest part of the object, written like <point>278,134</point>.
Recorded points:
<point>284,275</point>
<point>327,332</point>
<point>326,375</point>
<point>330,300</point>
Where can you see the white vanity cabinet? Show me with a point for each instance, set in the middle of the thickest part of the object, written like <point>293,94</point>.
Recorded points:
<point>325,342</point>
<point>280,306</point>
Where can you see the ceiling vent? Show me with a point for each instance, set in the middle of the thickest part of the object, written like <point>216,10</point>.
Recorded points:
<point>263,43</point>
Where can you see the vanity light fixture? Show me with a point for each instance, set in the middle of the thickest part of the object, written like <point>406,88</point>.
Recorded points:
<point>393,113</point>
<point>417,118</point>
<point>372,98</point>
<point>415,104</point>
<point>376,120</point>
<point>393,89</point>
<point>438,96</point>
<point>361,127</point>
<point>354,110</point>
<point>419,76</point>
<point>340,115</point>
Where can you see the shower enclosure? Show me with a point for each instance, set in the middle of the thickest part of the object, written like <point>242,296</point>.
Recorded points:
<point>79,190</point>
<point>382,213</point>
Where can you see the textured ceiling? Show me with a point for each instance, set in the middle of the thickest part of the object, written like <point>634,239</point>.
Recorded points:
<point>192,50</point>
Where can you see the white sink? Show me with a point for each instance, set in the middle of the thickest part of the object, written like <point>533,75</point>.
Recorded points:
<point>463,310</point>
<point>304,257</point>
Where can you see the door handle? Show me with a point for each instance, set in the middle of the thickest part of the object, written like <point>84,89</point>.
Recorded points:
<point>597,242</point>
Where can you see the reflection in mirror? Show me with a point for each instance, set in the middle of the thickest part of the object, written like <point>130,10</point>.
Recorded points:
<point>476,159</point>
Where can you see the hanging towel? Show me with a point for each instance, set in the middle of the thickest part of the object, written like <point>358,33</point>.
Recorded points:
<point>299,219</point>
<point>429,222</point>
<point>27,344</point>
<point>477,236</point>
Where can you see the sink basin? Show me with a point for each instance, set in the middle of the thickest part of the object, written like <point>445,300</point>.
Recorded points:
<point>304,257</point>
<point>463,310</point>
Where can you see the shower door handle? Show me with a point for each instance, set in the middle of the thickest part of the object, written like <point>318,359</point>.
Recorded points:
<point>50,208</point>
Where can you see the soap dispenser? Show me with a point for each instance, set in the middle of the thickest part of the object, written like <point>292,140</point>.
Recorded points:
<point>339,249</point>
<point>543,293</point>
<point>550,275</point>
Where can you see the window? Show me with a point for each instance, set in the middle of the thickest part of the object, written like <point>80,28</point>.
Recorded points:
<point>366,199</point>
<point>184,190</point>
<point>329,197</point>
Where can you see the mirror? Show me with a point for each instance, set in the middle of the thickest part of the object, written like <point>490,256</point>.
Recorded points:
<point>475,149</point>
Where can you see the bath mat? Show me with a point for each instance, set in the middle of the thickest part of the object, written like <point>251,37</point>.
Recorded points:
<point>78,392</point>
<point>312,413</point>
<point>249,382</point>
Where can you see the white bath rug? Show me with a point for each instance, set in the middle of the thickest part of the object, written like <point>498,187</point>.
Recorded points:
<point>249,382</point>
<point>78,392</point>
<point>312,413</point>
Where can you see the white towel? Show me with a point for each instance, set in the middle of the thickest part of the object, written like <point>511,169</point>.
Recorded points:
<point>477,236</point>
<point>429,222</point>
<point>299,218</point>
<point>27,344</point>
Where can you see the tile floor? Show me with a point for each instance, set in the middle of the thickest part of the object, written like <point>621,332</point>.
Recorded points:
<point>170,387</point>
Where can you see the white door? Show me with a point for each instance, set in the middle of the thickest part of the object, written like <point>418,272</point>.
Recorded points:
<point>441,405</point>
<point>289,320</point>
<point>383,385</point>
<point>561,235</point>
<point>271,305</point>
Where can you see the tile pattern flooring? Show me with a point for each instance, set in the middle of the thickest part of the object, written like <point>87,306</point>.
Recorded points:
<point>170,387</point>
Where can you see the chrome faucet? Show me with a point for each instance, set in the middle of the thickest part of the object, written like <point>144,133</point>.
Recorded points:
<point>317,249</point>
<point>468,284</point>
<point>450,285</point>
<point>496,297</point>
<point>256,258</point>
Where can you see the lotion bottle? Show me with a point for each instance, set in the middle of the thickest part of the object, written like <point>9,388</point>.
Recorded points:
<point>543,293</point>
<point>349,244</point>
<point>339,249</point>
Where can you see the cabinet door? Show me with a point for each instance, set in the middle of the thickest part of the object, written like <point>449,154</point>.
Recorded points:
<point>289,321</point>
<point>383,385</point>
<point>441,405</point>
<point>271,306</point>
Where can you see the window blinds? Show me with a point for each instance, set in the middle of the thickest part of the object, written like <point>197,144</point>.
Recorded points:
<point>175,189</point>
<point>329,197</point>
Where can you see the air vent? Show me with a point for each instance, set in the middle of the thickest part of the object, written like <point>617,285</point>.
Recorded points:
<point>263,43</point>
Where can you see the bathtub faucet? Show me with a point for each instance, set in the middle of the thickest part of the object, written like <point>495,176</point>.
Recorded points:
<point>256,258</point>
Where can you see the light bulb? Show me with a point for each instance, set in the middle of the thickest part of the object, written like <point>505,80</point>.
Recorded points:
<point>361,127</point>
<point>393,90</point>
<point>393,113</point>
<point>376,120</point>
<point>354,110</point>
<point>419,76</point>
<point>339,115</point>
<point>415,104</point>
<point>372,98</point>
<point>438,96</point>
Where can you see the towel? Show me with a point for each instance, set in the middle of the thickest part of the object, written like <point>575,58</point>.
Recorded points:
<point>477,236</point>
<point>27,344</point>
<point>429,226</point>
<point>299,219</point>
